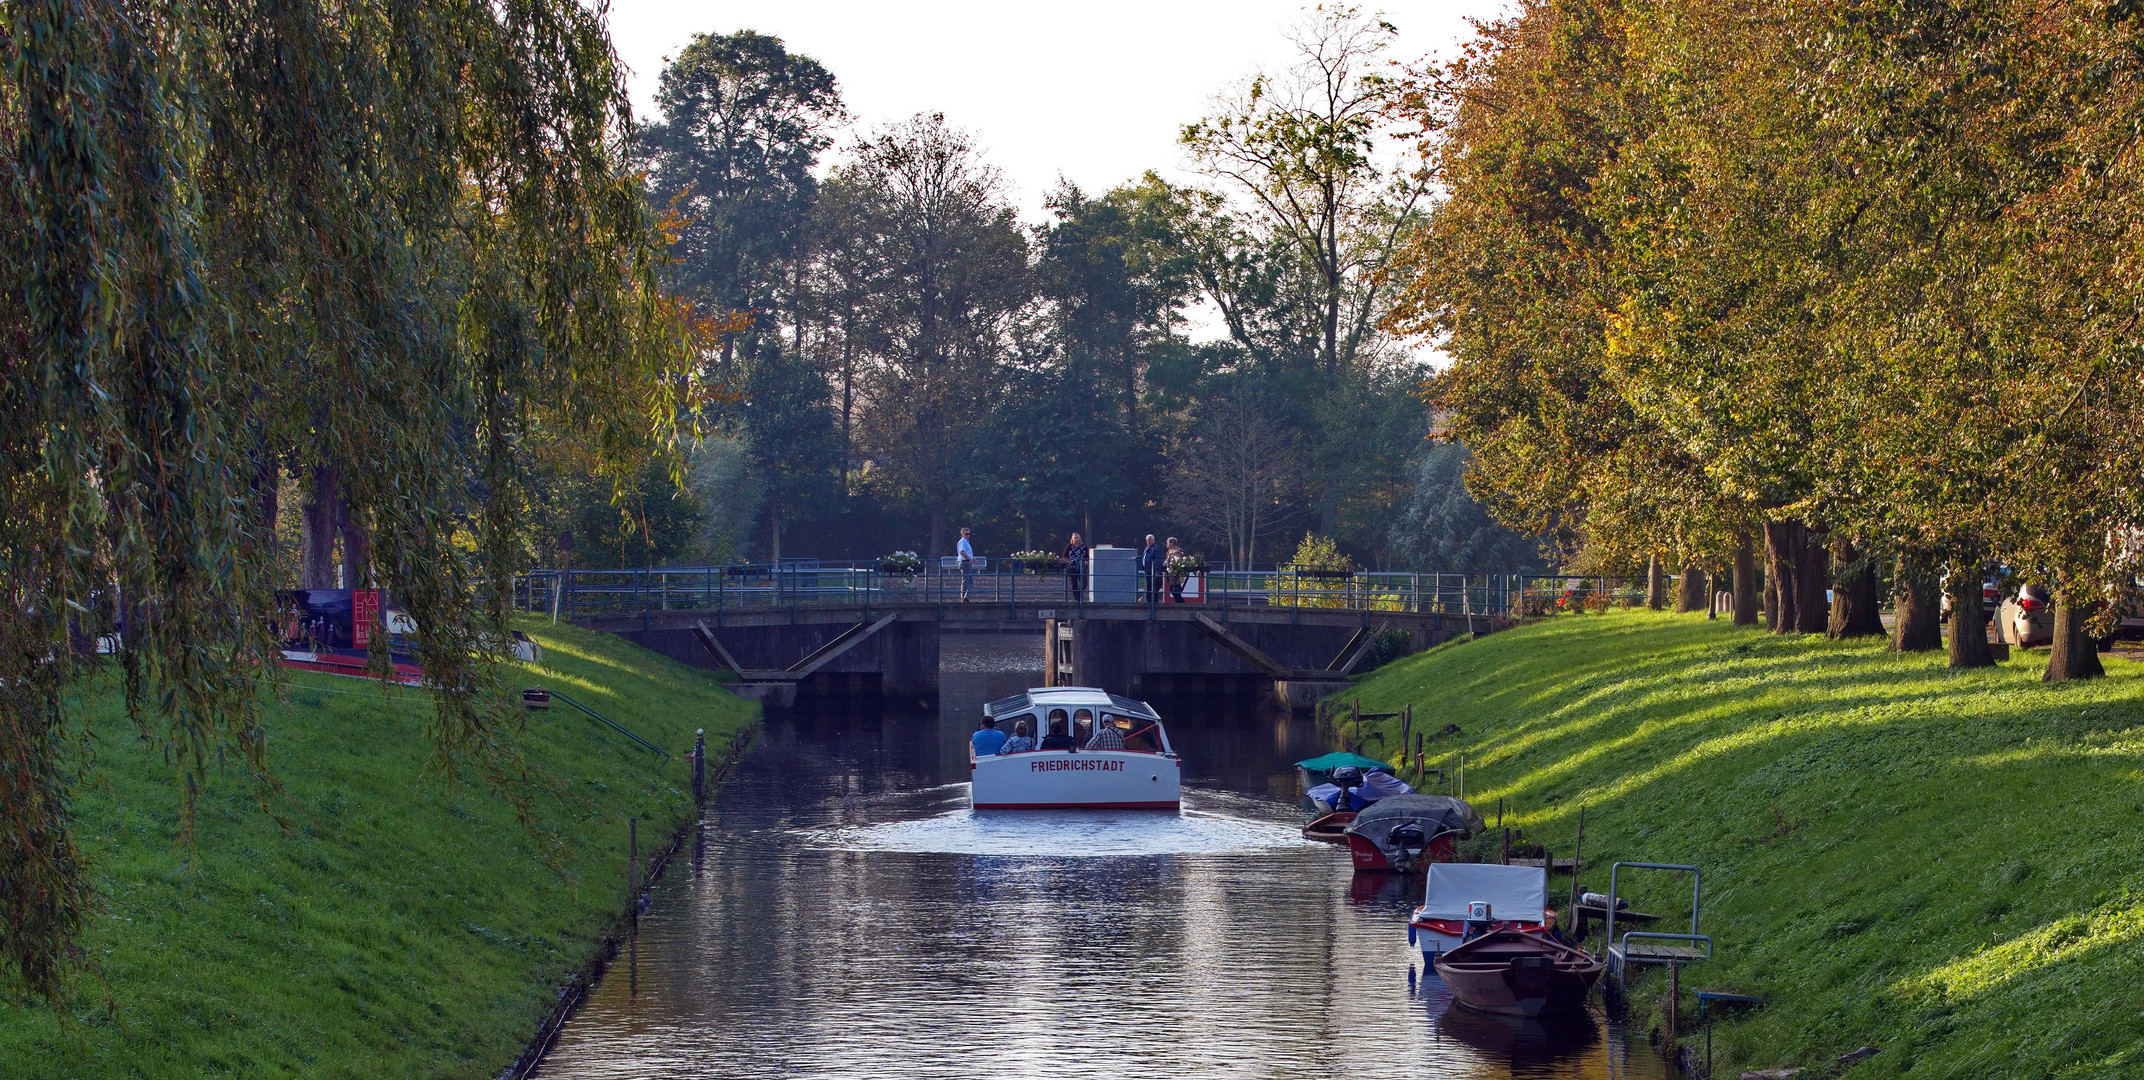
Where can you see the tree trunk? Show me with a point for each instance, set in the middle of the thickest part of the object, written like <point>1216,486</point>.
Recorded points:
<point>1784,542</point>
<point>356,549</point>
<point>937,532</point>
<point>1655,584</point>
<point>1692,594</point>
<point>2073,654</point>
<point>1968,624</point>
<point>267,500</point>
<point>774,529</point>
<point>1917,626</point>
<point>1746,602</point>
<point>1771,603</point>
<point>1857,608</point>
<point>1812,579</point>
<point>316,565</point>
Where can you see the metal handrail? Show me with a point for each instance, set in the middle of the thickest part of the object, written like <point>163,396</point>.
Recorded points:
<point>793,586</point>
<point>610,723</point>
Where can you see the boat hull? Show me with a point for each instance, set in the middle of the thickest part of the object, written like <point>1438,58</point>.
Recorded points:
<point>1515,974</point>
<point>1083,780</point>
<point>1439,936</point>
<point>1330,829</point>
<point>1366,855</point>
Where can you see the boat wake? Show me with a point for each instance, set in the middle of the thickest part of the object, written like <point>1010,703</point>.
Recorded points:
<point>1065,833</point>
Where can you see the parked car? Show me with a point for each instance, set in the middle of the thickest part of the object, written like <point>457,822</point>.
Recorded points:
<point>2028,619</point>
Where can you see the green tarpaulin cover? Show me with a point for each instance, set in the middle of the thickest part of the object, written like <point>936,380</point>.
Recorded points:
<point>1333,761</point>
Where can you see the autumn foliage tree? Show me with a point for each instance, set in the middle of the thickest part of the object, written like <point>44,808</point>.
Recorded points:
<point>1850,276</point>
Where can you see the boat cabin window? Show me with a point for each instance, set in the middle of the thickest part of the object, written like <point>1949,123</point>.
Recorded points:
<point>1083,725</point>
<point>1141,735</point>
<point>1058,735</point>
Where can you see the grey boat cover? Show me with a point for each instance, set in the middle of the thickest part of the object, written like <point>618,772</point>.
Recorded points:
<point>1436,814</point>
<point>1518,893</point>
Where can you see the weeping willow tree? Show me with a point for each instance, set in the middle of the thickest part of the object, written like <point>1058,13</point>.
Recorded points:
<point>390,240</point>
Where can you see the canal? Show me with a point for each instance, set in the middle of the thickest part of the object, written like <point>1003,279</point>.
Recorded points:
<point>842,913</point>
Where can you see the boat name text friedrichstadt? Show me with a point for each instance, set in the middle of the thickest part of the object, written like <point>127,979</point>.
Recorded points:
<point>1056,764</point>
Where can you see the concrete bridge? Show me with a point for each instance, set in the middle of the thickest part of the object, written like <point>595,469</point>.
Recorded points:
<point>850,630</point>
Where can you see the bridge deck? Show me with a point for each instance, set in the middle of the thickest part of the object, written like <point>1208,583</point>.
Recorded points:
<point>1007,618</point>
<point>649,599</point>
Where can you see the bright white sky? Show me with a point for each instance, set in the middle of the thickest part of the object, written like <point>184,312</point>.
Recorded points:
<point>1092,91</point>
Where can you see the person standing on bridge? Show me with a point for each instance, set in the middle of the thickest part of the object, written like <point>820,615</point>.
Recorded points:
<point>966,552</point>
<point>1152,562</point>
<point>1075,555</point>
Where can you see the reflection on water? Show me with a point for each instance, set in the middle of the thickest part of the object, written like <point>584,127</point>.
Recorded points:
<point>844,914</point>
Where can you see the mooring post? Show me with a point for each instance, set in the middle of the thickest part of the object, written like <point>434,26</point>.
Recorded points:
<point>1576,847</point>
<point>1674,1002</point>
<point>632,907</point>
<point>699,766</point>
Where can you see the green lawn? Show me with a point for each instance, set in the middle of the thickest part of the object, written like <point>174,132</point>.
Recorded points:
<point>1941,864</point>
<point>400,926</point>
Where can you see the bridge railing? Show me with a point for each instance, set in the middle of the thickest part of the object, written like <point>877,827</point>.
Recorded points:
<point>798,585</point>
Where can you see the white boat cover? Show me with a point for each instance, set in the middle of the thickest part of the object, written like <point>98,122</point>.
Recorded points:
<point>1517,893</point>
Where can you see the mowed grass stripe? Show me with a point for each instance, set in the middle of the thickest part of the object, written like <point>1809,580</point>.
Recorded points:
<point>1942,864</point>
<point>403,923</point>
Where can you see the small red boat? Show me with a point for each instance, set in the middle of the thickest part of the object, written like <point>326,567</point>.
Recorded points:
<point>1330,829</point>
<point>1406,833</point>
<point>1518,974</point>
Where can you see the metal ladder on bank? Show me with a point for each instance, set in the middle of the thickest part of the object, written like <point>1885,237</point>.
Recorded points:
<point>1649,947</point>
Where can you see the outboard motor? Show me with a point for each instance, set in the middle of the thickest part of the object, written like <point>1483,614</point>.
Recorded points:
<point>1408,842</point>
<point>1347,778</point>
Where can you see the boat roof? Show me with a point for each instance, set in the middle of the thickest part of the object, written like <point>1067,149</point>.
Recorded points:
<point>1340,759</point>
<point>1513,892</point>
<point>1069,697</point>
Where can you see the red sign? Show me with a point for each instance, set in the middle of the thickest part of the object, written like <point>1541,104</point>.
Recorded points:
<point>364,615</point>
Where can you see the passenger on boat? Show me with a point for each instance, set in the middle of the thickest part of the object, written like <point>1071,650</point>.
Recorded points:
<point>1020,741</point>
<point>1058,739</point>
<point>1109,736</point>
<point>987,739</point>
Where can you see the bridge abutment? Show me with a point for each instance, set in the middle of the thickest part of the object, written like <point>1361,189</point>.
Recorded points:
<point>1128,649</point>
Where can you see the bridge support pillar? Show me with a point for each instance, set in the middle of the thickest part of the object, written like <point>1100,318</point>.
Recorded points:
<point>1107,653</point>
<point>908,660</point>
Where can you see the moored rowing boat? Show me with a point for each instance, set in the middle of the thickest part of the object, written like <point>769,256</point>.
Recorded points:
<point>1518,974</point>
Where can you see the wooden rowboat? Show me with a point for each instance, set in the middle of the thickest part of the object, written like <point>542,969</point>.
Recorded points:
<point>1330,829</point>
<point>1515,974</point>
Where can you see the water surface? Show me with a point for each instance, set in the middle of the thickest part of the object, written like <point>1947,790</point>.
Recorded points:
<point>843,914</point>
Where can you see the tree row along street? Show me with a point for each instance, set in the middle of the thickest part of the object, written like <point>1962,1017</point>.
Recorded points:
<point>1841,289</point>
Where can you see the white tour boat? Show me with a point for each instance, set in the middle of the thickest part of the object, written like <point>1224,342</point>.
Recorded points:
<point>1079,763</point>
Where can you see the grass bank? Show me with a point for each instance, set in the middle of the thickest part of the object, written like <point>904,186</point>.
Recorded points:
<point>400,925</point>
<point>1941,864</point>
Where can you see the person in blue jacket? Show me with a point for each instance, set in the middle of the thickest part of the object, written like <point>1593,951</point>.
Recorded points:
<point>987,739</point>
<point>1152,561</point>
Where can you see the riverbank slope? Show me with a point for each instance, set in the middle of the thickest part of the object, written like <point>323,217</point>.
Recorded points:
<point>395,924</point>
<point>1941,864</point>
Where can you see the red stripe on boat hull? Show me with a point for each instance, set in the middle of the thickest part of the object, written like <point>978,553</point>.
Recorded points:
<point>1171,805</point>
